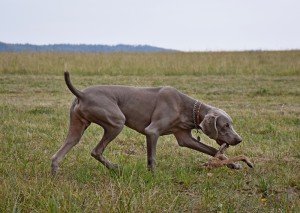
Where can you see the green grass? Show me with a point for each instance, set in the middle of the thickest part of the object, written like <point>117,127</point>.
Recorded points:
<point>260,90</point>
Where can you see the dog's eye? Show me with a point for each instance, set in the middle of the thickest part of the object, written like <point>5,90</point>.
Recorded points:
<point>225,127</point>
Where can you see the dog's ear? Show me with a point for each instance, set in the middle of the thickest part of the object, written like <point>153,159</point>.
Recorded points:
<point>209,126</point>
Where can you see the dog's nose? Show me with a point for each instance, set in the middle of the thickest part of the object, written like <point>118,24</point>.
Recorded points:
<point>238,140</point>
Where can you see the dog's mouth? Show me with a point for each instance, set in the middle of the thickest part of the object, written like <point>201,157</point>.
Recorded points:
<point>221,142</point>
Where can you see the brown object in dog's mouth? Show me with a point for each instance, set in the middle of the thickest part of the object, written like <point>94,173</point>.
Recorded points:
<point>222,149</point>
<point>220,160</point>
<point>249,163</point>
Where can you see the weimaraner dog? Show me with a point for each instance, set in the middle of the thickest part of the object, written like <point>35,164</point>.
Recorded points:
<point>151,111</point>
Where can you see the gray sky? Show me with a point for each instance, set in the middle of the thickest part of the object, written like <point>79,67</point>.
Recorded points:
<point>190,25</point>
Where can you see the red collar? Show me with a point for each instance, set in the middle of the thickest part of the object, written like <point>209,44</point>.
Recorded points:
<point>196,114</point>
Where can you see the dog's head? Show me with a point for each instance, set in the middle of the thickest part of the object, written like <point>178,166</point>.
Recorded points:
<point>218,125</point>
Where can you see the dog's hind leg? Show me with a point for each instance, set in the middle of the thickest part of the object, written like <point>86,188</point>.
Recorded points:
<point>97,153</point>
<point>76,130</point>
<point>113,125</point>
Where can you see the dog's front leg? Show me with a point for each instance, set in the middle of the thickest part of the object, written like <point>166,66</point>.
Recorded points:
<point>152,134</point>
<point>151,151</point>
<point>185,139</point>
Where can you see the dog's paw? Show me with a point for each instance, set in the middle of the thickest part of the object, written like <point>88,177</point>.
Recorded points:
<point>54,169</point>
<point>118,169</point>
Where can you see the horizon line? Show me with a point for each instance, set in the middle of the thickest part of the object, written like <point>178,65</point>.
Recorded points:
<point>166,48</point>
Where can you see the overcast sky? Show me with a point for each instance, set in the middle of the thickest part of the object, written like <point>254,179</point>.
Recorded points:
<point>188,25</point>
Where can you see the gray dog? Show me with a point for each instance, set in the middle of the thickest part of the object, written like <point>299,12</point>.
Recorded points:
<point>151,111</point>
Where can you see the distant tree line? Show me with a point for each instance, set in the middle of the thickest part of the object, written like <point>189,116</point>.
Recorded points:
<point>80,48</point>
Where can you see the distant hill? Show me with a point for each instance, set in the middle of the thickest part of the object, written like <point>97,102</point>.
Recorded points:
<point>80,48</point>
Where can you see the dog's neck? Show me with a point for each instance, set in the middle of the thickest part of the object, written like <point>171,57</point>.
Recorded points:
<point>205,108</point>
<point>188,111</point>
<point>196,114</point>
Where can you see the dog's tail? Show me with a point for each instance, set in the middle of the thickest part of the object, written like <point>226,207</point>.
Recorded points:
<point>75,91</point>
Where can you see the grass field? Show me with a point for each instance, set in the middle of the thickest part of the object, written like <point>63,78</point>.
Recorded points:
<point>260,90</point>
